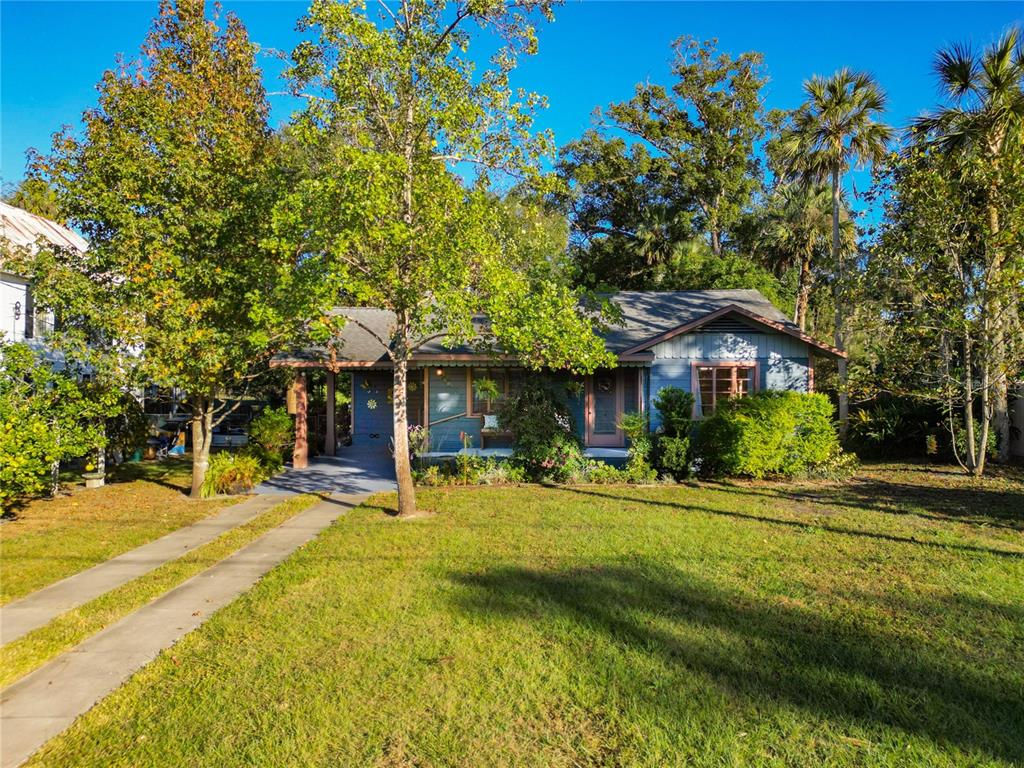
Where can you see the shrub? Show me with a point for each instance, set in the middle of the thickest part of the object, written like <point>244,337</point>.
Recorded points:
<point>896,428</point>
<point>768,433</point>
<point>559,460</point>
<point>475,471</point>
<point>270,461</point>
<point>675,406</point>
<point>432,476</point>
<point>495,472</point>
<point>273,430</point>
<point>599,472</point>
<point>46,417</point>
<point>468,468</point>
<point>673,456</point>
<point>842,466</point>
<point>641,473</point>
<point>672,452</point>
<point>545,442</point>
<point>638,467</point>
<point>535,414</point>
<point>232,473</point>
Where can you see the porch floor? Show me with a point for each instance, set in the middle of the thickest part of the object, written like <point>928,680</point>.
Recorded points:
<point>504,453</point>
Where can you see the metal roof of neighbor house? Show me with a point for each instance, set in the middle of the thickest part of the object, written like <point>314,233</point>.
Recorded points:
<point>648,317</point>
<point>23,229</point>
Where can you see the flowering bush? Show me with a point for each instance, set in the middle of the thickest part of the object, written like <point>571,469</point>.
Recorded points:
<point>419,440</point>
<point>559,460</point>
<point>544,437</point>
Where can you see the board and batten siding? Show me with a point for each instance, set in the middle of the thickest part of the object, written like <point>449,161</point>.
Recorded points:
<point>448,409</point>
<point>373,425</point>
<point>783,361</point>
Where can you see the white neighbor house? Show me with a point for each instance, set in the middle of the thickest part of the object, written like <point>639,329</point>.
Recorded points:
<point>21,229</point>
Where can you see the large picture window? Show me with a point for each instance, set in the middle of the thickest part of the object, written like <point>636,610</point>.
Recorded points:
<point>721,382</point>
<point>508,382</point>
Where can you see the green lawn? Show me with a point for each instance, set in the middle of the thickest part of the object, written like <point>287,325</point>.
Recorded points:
<point>51,539</point>
<point>20,657</point>
<point>874,623</point>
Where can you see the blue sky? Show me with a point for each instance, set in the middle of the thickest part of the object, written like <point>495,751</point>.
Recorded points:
<point>53,53</point>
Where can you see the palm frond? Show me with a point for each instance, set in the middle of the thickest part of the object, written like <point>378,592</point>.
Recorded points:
<point>957,69</point>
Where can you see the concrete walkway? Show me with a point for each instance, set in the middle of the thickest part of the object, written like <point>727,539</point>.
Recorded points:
<point>22,616</point>
<point>45,702</point>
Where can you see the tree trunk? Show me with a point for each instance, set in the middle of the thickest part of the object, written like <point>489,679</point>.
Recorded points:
<point>716,242</point>
<point>403,468</point>
<point>202,438</point>
<point>803,291</point>
<point>969,438</point>
<point>402,352</point>
<point>840,318</point>
<point>982,446</point>
<point>1000,389</point>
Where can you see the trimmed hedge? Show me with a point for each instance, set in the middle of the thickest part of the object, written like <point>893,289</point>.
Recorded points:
<point>768,433</point>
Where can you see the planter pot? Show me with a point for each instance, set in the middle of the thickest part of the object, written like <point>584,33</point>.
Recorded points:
<point>93,479</point>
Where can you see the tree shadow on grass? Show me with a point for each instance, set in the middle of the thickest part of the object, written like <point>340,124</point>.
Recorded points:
<point>942,501</point>
<point>815,526</point>
<point>774,652</point>
<point>995,508</point>
<point>173,473</point>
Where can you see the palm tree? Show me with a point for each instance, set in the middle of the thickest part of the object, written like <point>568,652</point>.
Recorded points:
<point>984,119</point>
<point>834,130</point>
<point>798,227</point>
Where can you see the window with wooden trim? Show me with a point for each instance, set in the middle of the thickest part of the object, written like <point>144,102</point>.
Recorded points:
<point>508,382</point>
<point>721,382</point>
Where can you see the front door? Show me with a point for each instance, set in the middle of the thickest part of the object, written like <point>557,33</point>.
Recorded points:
<point>604,408</point>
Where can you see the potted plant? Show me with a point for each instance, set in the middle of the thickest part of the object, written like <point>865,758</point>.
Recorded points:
<point>95,471</point>
<point>487,390</point>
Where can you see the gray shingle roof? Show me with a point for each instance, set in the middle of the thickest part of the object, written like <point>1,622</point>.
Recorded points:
<point>645,315</point>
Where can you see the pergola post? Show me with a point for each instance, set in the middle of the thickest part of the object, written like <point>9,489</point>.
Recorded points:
<point>330,440</point>
<point>300,456</point>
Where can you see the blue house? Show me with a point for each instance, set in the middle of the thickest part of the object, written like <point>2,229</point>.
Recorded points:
<point>717,344</point>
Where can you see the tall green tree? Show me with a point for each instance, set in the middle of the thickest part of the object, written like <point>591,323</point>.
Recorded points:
<point>171,183</point>
<point>35,196</point>
<point>796,234</point>
<point>984,119</point>
<point>394,109</point>
<point>625,213</point>
<point>931,274</point>
<point>706,126</point>
<point>837,128</point>
<point>690,172</point>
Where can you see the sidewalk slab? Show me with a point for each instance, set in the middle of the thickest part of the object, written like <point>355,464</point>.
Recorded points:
<point>45,702</point>
<point>20,617</point>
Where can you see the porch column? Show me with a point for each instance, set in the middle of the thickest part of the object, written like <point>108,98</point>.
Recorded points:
<point>300,456</point>
<point>329,433</point>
